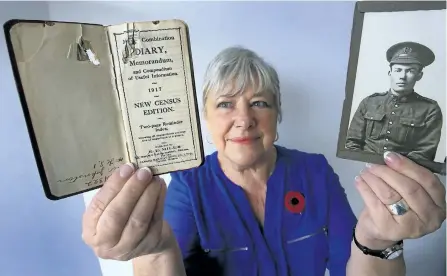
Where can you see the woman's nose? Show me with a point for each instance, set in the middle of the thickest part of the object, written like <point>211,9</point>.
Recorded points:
<point>244,118</point>
<point>244,123</point>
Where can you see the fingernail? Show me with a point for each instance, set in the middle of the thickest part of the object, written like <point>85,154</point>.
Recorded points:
<point>144,174</point>
<point>391,156</point>
<point>126,170</point>
<point>369,165</point>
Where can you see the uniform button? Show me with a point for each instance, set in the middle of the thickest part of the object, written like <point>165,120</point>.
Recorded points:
<point>384,148</point>
<point>388,131</point>
<point>393,112</point>
<point>411,124</point>
<point>390,123</point>
<point>386,139</point>
<point>371,118</point>
<point>396,105</point>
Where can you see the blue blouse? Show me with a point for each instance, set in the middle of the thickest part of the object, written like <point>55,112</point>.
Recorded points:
<point>218,233</point>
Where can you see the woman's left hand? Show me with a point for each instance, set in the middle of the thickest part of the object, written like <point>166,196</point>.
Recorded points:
<point>382,185</point>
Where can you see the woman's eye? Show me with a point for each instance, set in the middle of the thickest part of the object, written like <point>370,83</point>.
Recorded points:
<point>224,104</point>
<point>260,104</point>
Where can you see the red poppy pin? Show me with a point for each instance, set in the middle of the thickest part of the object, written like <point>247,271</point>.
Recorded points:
<point>294,202</point>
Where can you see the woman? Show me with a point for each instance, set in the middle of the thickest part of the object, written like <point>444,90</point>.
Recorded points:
<point>255,208</point>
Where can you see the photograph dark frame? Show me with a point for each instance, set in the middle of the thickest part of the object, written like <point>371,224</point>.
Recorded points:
<point>361,8</point>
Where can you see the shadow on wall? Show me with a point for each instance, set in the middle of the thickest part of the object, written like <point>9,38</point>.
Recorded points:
<point>294,128</point>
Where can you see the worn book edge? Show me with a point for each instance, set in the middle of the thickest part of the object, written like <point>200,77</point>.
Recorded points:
<point>40,149</point>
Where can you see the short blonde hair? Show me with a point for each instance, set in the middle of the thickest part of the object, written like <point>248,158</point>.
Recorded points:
<point>242,68</point>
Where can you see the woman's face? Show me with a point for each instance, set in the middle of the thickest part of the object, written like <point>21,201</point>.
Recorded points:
<point>243,127</point>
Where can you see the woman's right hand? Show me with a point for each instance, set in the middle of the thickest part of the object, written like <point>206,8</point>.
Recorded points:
<point>125,218</point>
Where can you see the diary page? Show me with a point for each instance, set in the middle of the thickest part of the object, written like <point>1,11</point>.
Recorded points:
<point>70,104</point>
<point>155,81</point>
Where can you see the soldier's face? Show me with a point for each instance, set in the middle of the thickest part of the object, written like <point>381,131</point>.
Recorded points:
<point>403,77</point>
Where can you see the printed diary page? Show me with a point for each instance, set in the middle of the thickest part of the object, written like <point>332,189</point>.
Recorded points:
<point>72,104</point>
<point>152,63</point>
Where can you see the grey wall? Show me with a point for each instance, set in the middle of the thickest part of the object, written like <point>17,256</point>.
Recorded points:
<point>37,237</point>
<point>302,39</point>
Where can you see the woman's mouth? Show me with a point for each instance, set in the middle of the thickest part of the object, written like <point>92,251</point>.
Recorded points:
<point>243,140</point>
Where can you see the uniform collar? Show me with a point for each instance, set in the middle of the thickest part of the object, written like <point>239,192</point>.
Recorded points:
<point>402,99</point>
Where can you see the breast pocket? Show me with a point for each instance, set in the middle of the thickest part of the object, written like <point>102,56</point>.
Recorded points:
<point>309,251</point>
<point>374,124</point>
<point>410,129</point>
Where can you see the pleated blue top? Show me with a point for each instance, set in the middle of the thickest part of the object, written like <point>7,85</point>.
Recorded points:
<point>219,234</point>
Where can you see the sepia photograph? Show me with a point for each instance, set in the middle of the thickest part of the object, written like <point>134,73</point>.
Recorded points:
<point>396,89</point>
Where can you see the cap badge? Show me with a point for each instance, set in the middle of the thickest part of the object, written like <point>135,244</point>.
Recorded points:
<point>407,50</point>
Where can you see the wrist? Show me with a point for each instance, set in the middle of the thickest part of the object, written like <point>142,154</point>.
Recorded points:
<point>167,239</point>
<point>370,242</point>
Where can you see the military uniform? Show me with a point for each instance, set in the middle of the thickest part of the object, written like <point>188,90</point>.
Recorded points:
<point>410,124</point>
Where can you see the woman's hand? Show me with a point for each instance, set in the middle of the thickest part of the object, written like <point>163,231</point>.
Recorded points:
<point>125,218</point>
<point>381,185</point>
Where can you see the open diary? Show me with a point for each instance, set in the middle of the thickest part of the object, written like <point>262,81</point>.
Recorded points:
<point>95,97</point>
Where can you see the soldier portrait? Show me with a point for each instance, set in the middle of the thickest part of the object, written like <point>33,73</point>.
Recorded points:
<point>400,118</point>
<point>395,90</point>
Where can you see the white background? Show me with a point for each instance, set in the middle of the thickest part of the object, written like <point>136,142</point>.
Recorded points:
<point>380,31</point>
<point>307,42</point>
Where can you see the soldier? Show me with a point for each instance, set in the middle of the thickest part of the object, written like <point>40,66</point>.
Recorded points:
<point>399,119</point>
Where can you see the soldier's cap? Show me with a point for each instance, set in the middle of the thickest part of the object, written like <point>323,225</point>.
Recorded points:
<point>408,52</point>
